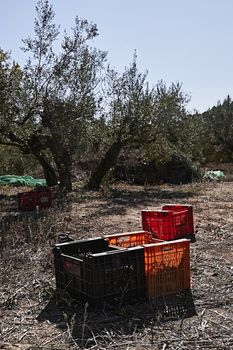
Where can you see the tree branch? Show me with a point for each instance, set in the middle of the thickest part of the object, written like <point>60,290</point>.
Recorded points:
<point>4,143</point>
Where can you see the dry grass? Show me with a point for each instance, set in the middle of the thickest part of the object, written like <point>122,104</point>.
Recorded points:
<point>34,316</point>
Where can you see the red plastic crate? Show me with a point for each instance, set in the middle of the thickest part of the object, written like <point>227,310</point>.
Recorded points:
<point>167,224</point>
<point>189,228</point>
<point>160,223</point>
<point>131,239</point>
<point>27,201</point>
<point>167,268</point>
<point>44,199</point>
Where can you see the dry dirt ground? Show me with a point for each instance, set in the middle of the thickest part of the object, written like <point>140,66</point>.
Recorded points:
<point>34,316</point>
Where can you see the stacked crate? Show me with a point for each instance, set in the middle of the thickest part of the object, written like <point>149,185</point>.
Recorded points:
<point>169,223</point>
<point>167,264</point>
<point>130,266</point>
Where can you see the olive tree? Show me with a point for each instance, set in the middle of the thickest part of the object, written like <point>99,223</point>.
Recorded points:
<point>127,108</point>
<point>47,104</point>
<point>140,116</point>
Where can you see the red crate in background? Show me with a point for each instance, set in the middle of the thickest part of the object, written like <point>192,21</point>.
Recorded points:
<point>29,201</point>
<point>168,224</point>
<point>131,239</point>
<point>44,199</point>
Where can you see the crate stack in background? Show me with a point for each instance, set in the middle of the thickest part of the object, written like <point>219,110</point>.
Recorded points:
<point>40,198</point>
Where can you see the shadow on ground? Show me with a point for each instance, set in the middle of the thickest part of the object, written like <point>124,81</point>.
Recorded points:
<point>151,194</point>
<point>118,201</point>
<point>87,325</point>
<point>133,194</point>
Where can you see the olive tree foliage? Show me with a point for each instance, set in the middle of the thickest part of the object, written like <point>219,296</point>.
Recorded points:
<point>192,140</point>
<point>166,133</point>
<point>12,98</point>
<point>14,161</point>
<point>49,103</point>
<point>171,139</point>
<point>218,131</point>
<point>140,116</point>
<point>127,106</point>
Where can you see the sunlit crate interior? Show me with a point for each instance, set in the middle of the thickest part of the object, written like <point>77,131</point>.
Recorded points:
<point>131,239</point>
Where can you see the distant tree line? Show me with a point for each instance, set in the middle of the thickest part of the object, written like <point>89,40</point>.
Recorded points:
<point>73,105</point>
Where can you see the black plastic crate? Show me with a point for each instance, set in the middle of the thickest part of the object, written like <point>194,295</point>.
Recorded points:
<point>74,249</point>
<point>93,271</point>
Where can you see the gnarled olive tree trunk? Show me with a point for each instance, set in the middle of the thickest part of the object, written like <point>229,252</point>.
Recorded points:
<point>63,161</point>
<point>60,151</point>
<point>107,162</point>
<point>37,145</point>
<point>49,172</point>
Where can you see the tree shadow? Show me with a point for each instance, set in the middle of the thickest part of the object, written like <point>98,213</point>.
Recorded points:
<point>155,194</point>
<point>85,325</point>
<point>10,219</point>
<point>118,201</point>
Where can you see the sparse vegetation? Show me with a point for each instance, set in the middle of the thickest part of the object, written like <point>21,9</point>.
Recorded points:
<point>35,316</point>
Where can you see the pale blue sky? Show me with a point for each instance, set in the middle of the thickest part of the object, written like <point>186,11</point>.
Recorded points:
<point>176,40</point>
